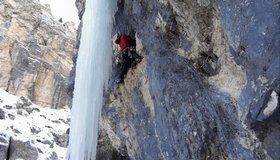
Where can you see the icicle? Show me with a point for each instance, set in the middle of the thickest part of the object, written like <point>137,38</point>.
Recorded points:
<point>93,66</point>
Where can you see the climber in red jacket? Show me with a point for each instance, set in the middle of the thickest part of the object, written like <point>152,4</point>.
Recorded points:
<point>124,41</point>
<point>127,56</point>
<point>127,49</point>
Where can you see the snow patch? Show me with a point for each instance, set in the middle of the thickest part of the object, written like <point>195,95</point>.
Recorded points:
<point>35,124</point>
<point>271,105</point>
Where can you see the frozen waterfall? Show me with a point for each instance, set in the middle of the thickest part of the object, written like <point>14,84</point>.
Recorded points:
<point>93,66</point>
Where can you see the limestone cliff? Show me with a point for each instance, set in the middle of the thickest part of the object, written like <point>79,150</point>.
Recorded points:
<point>35,52</point>
<point>207,87</point>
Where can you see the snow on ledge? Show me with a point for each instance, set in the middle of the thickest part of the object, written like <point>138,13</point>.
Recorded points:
<point>25,121</point>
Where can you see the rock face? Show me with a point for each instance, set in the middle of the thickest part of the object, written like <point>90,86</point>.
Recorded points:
<point>23,150</point>
<point>80,4</point>
<point>207,87</point>
<point>4,146</point>
<point>35,53</point>
<point>209,69</point>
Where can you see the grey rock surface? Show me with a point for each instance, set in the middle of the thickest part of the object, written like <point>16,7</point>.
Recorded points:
<point>105,149</point>
<point>208,73</point>
<point>4,146</point>
<point>2,114</point>
<point>22,150</point>
<point>80,4</point>
<point>54,156</point>
<point>61,140</point>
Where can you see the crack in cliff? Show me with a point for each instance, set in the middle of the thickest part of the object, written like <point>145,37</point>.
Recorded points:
<point>11,71</point>
<point>36,26</point>
<point>9,149</point>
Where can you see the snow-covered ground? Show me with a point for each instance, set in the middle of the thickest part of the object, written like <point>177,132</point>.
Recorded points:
<point>24,121</point>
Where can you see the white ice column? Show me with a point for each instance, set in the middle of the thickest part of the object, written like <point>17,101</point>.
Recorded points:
<point>93,66</point>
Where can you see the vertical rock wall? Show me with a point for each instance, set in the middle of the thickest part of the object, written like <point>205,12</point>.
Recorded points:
<point>35,53</point>
<point>209,70</point>
<point>207,87</point>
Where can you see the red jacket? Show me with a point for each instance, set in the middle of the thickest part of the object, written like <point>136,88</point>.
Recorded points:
<point>124,41</point>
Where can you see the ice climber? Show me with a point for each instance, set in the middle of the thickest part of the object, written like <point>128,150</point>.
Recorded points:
<point>127,56</point>
<point>124,41</point>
